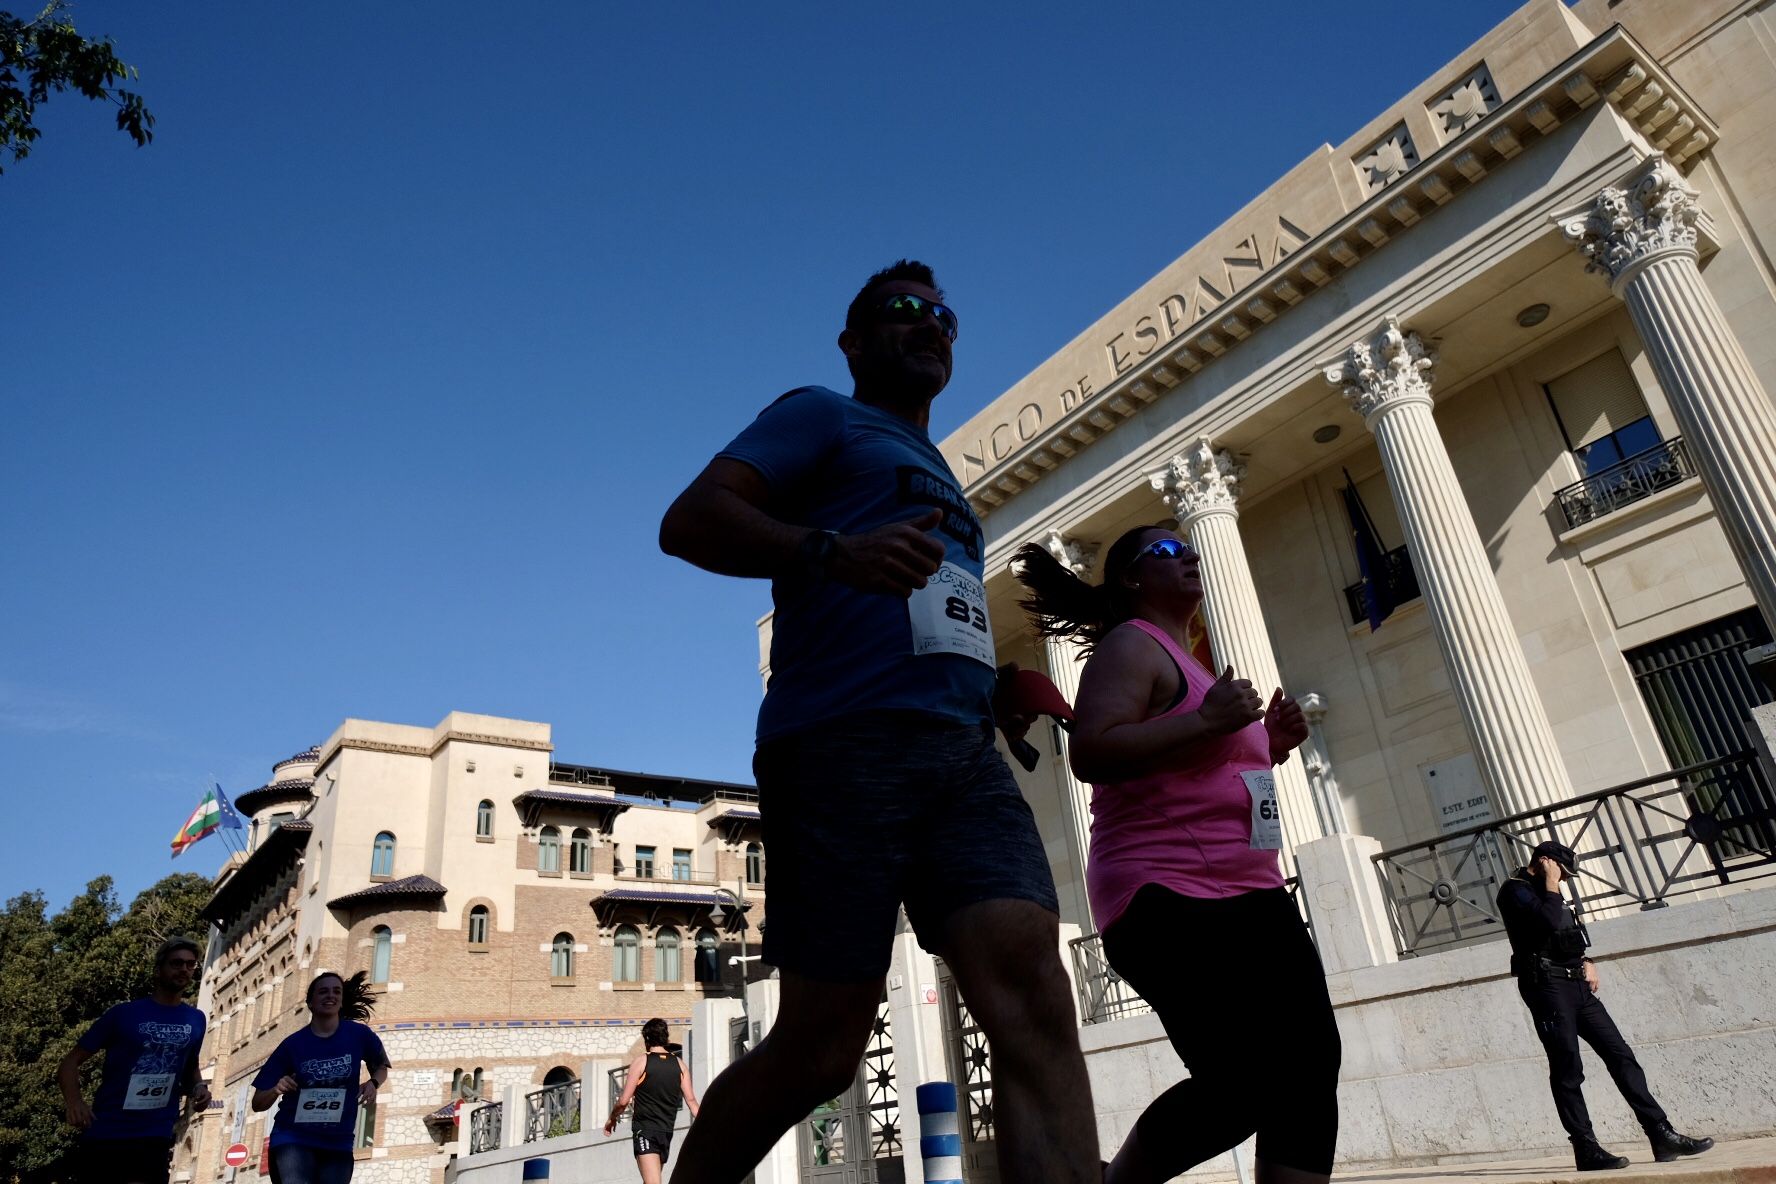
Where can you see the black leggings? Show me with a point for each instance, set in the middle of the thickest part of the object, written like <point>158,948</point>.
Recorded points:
<point>1239,987</point>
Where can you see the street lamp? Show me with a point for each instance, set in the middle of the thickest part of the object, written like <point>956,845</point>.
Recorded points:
<point>716,916</point>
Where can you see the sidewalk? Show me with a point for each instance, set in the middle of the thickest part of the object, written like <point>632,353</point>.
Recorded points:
<point>1741,1161</point>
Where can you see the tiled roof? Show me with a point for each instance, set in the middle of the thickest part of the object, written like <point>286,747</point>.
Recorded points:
<point>297,789</point>
<point>531,802</point>
<point>736,815</point>
<point>443,1114</point>
<point>415,886</point>
<point>307,754</point>
<point>661,896</point>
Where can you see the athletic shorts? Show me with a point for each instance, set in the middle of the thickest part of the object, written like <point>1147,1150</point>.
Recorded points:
<point>123,1161</point>
<point>870,812</point>
<point>653,1142</point>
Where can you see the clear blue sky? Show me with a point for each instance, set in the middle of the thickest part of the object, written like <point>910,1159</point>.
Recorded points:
<point>360,392</point>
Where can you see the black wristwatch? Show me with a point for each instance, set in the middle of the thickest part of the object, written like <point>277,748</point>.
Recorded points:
<point>815,550</point>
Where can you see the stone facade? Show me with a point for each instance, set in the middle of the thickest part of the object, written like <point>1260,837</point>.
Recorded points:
<point>495,894</point>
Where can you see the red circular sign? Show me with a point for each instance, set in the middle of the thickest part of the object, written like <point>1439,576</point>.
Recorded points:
<point>236,1156</point>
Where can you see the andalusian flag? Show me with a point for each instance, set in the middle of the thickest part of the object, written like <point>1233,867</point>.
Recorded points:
<point>203,821</point>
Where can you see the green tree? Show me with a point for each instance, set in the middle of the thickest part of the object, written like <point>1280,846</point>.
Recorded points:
<point>57,975</point>
<point>47,54</point>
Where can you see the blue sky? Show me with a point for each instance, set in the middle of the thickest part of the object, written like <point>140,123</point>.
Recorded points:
<point>361,391</point>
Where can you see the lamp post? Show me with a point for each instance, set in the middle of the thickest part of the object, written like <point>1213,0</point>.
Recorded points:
<point>716,916</point>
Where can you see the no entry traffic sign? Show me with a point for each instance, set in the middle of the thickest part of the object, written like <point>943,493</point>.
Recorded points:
<point>236,1156</point>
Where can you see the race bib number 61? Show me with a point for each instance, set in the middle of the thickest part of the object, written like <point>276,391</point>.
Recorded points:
<point>949,616</point>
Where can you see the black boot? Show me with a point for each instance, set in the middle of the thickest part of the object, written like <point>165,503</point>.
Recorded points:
<point>1668,1144</point>
<point>1589,1157</point>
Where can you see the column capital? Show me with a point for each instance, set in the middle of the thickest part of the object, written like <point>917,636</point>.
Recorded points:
<point>1076,555</point>
<point>1200,480</point>
<point>1389,369</point>
<point>1653,212</point>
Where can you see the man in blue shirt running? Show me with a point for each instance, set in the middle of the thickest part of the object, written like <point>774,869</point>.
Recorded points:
<point>879,784</point>
<point>151,1047</point>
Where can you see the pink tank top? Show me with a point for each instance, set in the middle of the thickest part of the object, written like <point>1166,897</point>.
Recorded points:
<point>1188,828</point>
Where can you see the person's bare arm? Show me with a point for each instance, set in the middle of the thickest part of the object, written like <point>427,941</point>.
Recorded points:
<point>79,1114</point>
<point>631,1079</point>
<point>684,1084</point>
<point>1112,738</point>
<point>720,523</point>
<point>264,1098</point>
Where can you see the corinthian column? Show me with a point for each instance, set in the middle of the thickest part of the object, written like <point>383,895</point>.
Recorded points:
<point>1201,486</point>
<point>1064,664</point>
<point>1388,381</point>
<point>1642,235</point>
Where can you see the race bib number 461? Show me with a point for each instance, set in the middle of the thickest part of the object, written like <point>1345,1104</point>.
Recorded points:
<point>148,1091</point>
<point>949,616</point>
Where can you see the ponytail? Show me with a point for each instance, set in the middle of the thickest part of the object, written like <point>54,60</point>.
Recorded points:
<point>1061,604</point>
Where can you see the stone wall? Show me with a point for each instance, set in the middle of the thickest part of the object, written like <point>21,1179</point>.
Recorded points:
<point>1441,1062</point>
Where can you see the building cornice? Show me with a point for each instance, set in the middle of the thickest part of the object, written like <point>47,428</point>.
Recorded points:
<point>1612,68</point>
<point>334,747</point>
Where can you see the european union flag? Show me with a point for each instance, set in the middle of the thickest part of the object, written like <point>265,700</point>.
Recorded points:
<point>230,819</point>
<point>1378,584</point>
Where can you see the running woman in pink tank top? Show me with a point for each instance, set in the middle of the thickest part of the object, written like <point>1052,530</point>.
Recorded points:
<point>1183,869</point>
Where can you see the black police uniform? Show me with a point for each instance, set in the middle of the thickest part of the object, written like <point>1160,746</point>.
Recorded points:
<point>1547,956</point>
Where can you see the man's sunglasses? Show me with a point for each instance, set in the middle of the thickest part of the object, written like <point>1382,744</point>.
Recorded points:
<point>1164,549</point>
<point>904,308</point>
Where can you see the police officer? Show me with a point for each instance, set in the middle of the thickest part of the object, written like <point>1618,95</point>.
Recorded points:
<point>1559,984</point>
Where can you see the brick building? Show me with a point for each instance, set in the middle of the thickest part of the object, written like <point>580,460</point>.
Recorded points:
<point>520,919</point>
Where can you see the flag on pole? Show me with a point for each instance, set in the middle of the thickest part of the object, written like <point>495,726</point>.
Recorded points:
<point>1378,584</point>
<point>230,819</point>
<point>204,820</point>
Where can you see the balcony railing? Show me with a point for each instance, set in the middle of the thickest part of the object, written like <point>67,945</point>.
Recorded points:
<point>551,1111</point>
<point>484,1128</point>
<point>1104,995</point>
<point>1400,581</point>
<point>1639,844</point>
<point>1627,481</point>
<point>664,875</point>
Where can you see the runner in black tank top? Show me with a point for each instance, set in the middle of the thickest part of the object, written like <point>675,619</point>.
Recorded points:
<point>657,1083</point>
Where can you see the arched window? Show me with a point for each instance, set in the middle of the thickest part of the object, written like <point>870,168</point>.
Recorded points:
<point>466,1085</point>
<point>708,969</point>
<point>755,864</point>
<point>559,1075</point>
<point>478,925</point>
<point>667,968</point>
<point>626,964</point>
<point>484,820</point>
<point>561,956</point>
<point>579,854</point>
<point>549,850</point>
<point>381,945</point>
<point>382,855</point>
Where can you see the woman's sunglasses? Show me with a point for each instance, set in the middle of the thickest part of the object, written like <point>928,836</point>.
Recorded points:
<point>904,308</point>
<point>1164,549</point>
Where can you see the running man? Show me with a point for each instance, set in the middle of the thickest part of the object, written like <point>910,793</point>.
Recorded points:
<point>658,1083</point>
<point>151,1047</point>
<point>878,780</point>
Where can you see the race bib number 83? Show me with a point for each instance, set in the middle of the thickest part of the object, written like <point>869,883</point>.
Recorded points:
<point>949,616</point>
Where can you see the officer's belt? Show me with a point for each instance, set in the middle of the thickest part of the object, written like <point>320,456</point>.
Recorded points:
<point>1540,967</point>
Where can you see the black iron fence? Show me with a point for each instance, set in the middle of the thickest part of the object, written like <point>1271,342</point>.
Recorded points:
<point>1629,480</point>
<point>552,1111</point>
<point>484,1128</point>
<point>1105,996</point>
<point>1701,826</point>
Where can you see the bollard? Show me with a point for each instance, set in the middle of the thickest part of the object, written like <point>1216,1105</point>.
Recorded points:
<point>536,1169</point>
<point>940,1137</point>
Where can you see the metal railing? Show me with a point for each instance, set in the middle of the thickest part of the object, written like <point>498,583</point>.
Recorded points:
<point>484,1128</point>
<point>1398,576</point>
<point>1104,995</point>
<point>578,775</point>
<point>1641,475</point>
<point>1698,827</point>
<point>662,874</point>
<point>551,1111</point>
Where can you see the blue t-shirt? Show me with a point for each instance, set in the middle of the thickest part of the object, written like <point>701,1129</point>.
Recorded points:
<point>150,1052</point>
<point>834,463</point>
<point>324,1111</point>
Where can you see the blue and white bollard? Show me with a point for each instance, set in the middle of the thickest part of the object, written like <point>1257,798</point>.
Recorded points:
<point>940,1137</point>
<point>536,1170</point>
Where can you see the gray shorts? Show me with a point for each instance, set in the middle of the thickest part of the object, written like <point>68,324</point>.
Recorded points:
<point>869,812</point>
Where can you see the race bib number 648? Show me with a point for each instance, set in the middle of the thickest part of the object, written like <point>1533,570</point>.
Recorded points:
<point>949,616</point>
